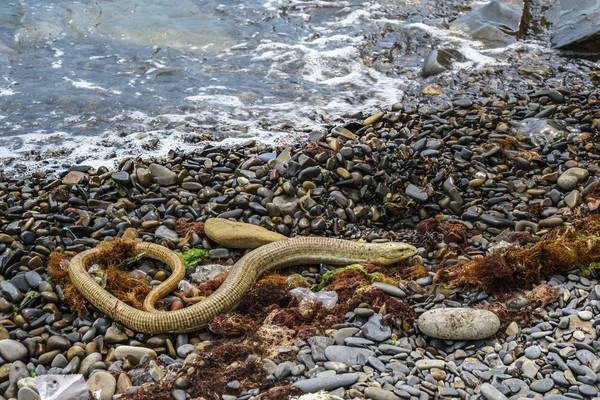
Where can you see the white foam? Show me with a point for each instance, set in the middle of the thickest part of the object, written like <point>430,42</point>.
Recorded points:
<point>7,92</point>
<point>81,84</point>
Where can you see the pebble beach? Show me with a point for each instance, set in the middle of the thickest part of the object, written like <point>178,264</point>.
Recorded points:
<point>477,163</point>
<point>372,178</point>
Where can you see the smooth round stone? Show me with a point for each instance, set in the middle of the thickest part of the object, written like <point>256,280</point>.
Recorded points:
<point>133,353</point>
<point>569,179</point>
<point>12,350</point>
<point>26,393</point>
<point>533,352</point>
<point>58,343</point>
<point>542,385</point>
<point>551,222</point>
<point>458,323</point>
<point>588,390</point>
<point>585,315</point>
<point>104,382</point>
<point>389,289</point>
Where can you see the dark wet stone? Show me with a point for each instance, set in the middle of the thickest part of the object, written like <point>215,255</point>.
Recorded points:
<point>416,193</point>
<point>496,221</point>
<point>121,177</point>
<point>575,25</point>
<point>440,60</point>
<point>495,24</point>
<point>10,292</point>
<point>309,173</point>
<point>462,102</point>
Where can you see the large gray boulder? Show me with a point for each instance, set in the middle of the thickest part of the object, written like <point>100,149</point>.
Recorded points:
<point>575,25</point>
<point>496,24</point>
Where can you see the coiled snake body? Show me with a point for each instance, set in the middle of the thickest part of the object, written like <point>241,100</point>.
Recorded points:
<point>283,253</point>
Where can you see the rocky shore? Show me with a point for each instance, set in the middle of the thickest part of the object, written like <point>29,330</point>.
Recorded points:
<point>509,153</point>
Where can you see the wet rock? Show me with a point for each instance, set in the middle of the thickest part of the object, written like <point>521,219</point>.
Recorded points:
<point>416,193</point>
<point>495,24</point>
<point>440,60</point>
<point>162,175</point>
<point>575,25</point>
<point>458,323</point>
<point>162,232</point>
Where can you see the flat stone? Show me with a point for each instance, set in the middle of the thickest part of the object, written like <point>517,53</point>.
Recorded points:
<point>326,383</point>
<point>389,289</point>
<point>239,235</point>
<point>133,353</point>
<point>491,393</point>
<point>495,24</point>
<point>416,193</point>
<point>162,232</point>
<point>348,355</point>
<point>104,382</point>
<point>428,364</point>
<point>12,350</point>
<point>575,25</point>
<point>376,393</point>
<point>551,222</point>
<point>376,329</point>
<point>458,323</point>
<point>542,385</point>
<point>73,177</point>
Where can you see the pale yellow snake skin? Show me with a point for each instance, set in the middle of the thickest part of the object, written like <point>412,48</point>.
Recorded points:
<point>283,253</point>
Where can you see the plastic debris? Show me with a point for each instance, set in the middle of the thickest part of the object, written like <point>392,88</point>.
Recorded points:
<point>542,131</point>
<point>208,272</point>
<point>326,298</point>
<point>99,276</point>
<point>60,387</point>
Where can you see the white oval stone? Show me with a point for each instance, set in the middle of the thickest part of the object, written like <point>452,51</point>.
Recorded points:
<point>458,323</point>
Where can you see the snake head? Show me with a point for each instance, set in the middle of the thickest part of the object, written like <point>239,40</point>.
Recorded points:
<point>392,252</point>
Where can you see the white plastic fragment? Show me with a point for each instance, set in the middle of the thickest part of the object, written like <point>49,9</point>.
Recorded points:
<point>326,298</point>
<point>60,387</point>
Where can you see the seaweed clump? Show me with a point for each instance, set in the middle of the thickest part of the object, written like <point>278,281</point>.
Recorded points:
<point>560,250</point>
<point>110,257</point>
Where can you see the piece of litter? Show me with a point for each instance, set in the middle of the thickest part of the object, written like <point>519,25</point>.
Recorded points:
<point>60,387</point>
<point>326,298</point>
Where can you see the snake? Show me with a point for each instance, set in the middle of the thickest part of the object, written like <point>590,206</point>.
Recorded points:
<point>241,277</point>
